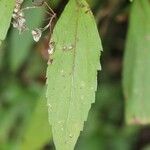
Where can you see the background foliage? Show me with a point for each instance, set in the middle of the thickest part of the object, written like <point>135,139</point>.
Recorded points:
<point>23,123</point>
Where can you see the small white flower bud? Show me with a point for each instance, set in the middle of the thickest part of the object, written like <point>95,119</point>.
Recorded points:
<point>14,15</point>
<point>36,33</point>
<point>51,47</point>
<point>15,24</point>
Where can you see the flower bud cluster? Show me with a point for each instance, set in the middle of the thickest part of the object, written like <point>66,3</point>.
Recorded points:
<point>19,20</point>
<point>36,33</point>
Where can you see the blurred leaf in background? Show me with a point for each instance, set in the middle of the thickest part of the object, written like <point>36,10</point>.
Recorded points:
<point>16,105</point>
<point>137,64</point>
<point>6,9</point>
<point>37,132</point>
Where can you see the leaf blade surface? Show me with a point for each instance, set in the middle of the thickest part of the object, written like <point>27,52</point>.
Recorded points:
<point>72,76</point>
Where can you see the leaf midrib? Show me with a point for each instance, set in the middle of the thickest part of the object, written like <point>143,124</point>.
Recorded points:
<point>73,70</point>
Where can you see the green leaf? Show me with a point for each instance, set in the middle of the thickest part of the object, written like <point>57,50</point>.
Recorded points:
<point>137,64</point>
<point>37,133</point>
<point>6,9</point>
<point>72,76</point>
<point>8,119</point>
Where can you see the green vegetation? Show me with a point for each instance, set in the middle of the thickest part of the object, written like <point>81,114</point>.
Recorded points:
<point>74,74</point>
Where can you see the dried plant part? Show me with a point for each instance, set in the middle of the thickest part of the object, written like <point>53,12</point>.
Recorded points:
<point>36,33</point>
<point>38,2</point>
<point>18,5</point>
<point>51,47</point>
<point>19,20</point>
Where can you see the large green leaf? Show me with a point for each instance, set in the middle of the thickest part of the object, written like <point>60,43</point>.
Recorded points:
<point>137,64</point>
<point>6,9</point>
<point>72,76</point>
<point>37,133</point>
